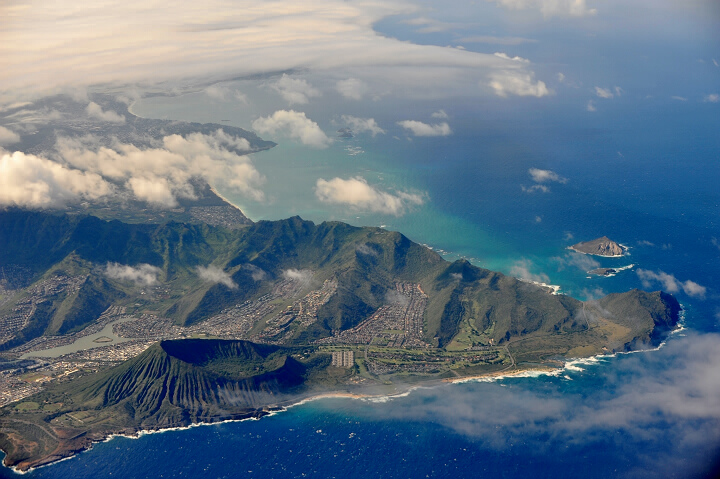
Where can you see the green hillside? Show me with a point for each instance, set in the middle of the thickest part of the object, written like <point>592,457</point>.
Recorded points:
<point>171,384</point>
<point>302,292</point>
<point>366,264</point>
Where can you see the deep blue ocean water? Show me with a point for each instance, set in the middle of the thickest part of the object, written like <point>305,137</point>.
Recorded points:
<point>645,174</point>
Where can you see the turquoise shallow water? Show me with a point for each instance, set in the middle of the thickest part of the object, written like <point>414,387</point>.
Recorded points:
<point>645,175</point>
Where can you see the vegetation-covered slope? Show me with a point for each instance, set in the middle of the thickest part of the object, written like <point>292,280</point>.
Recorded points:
<point>366,263</point>
<point>171,384</point>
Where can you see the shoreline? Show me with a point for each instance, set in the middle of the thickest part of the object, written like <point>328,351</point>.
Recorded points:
<point>272,410</point>
<point>571,364</point>
<point>216,192</point>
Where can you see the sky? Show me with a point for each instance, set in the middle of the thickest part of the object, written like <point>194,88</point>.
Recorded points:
<point>321,58</point>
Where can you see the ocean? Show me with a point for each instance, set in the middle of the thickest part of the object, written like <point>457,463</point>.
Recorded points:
<point>645,174</point>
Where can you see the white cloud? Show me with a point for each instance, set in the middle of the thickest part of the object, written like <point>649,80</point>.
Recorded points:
<point>359,195</point>
<point>14,105</point>
<point>142,274</point>
<point>163,174</point>
<point>215,274</point>
<point>366,250</point>
<point>352,88</point>
<point>294,124</point>
<point>505,56</point>
<point>603,93</point>
<point>221,92</point>
<point>361,125</point>
<point>550,8</point>
<point>517,82</point>
<point>590,106</point>
<point>544,176</point>
<point>295,90</point>
<point>155,190</point>
<point>440,115</point>
<point>429,25</point>
<point>496,40</point>
<point>716,242</point>
<point>561,77</point>
<point>303,276</point>
<point>583,262</point>
<point>49,46</point>
<point>8,137</point>
<point>521,270</point>
<point>257,274</point>
<point>535,188</point>
<point>34,182</point>
<point>679,98</point>
<point>712,98</point>
<point>95,111</point>
<point>419,128</point>
<point>395,297</point>
<point>669,283</point>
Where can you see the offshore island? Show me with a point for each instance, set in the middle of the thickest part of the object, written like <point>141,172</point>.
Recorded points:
<point>119,318</point>
<point>602,246</point>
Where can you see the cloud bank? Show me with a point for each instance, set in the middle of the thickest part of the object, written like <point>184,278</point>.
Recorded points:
<point>352,88</point>
<point>550,8</point>
<point>162,175</point>
<point>34,182</point>
<point>359,195</point>
<point>95,111</point>
<point>48,47</point>
<point>8,137</point>
<point>295,90</point>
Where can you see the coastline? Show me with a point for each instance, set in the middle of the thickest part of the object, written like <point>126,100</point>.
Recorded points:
<point>216,192</point>
<point>571,364</point>
<point>271,410</point>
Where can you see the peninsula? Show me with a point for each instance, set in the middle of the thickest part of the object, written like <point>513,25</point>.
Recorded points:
<point>223,323</point>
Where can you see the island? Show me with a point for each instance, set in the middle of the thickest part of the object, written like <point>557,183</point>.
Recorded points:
<point>603,246</point>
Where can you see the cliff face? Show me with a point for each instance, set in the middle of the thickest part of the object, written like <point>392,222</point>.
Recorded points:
<point>603,246</point>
